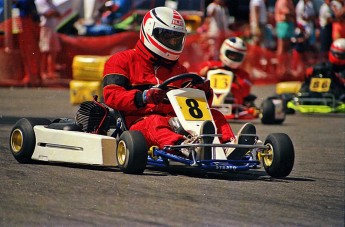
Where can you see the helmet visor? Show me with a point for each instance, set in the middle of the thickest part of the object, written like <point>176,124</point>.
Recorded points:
<point>234,56</point>
<point>171,39</point>
<point>339,55</point>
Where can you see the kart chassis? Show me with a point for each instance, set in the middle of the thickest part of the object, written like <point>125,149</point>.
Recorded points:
<point>36,139</point>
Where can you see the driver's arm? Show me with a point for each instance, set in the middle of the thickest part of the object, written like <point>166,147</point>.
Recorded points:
<point>117,89</point>
<point>118,96</point>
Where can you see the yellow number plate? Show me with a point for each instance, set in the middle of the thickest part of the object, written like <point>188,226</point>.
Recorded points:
<point>220,81</point>
<point>320,84</point>
<point>194,109</point>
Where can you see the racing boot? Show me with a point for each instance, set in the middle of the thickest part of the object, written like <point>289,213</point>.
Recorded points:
<point>246,135</point>
<point>206,128</point>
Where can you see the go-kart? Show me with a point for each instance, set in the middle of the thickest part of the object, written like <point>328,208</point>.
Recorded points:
<point>319,95</point>
<point>91,138</point>
<point>271,110</point>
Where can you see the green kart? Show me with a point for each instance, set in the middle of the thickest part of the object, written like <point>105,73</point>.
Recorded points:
<point>318,96</point>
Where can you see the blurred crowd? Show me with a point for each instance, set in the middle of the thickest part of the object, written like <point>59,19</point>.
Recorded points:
<point>300,25</point>
<point>299,33</point>
<point>282,26</point>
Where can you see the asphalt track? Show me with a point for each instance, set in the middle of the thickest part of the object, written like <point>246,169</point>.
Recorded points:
<point>70,195</point>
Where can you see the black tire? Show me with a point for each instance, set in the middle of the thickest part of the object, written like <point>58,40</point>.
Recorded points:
<point>278,161</point>
<point>131,152</point>
<point>268,115</point>
<point>23,139</point>
<point>287,98</point>
<point>267,112</point>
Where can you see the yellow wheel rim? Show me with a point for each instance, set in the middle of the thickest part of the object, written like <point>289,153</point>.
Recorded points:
<point>17,140</point>
<point>268,156</point>
<point>121,153</point>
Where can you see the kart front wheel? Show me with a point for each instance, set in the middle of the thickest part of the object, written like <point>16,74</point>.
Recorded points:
<point>278,160</point>
<point>23,139</point>
<point>131,152</point>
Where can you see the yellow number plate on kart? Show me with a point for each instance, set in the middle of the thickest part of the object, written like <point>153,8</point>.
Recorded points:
<point>320,84</point>
<point>221,81</point>
<point>194,109</point>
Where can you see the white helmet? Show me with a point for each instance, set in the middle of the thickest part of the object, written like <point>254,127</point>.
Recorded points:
<point>336,53</point>
<point>233,52</point>
<point>163,31</point>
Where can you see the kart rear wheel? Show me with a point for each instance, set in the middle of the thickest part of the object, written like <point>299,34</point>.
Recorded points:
<point>23,139</point>
<point>131,152</point>
<point>278,160</point>
<point>268,112</point>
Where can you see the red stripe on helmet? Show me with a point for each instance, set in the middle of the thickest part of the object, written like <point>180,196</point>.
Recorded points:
<point>147,16</point>
<point>176,15</point>
<point>234,47</point>
<point>337,48</point>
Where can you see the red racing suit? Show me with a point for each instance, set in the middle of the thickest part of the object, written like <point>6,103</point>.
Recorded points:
<point>241,84</point>
<point>126,75</point>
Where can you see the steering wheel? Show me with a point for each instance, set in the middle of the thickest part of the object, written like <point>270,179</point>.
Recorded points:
<point>196,79</point>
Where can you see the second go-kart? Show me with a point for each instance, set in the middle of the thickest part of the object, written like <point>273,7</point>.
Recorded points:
<point>92,139</point>
<point>271,111</point>
<point>317,95</point>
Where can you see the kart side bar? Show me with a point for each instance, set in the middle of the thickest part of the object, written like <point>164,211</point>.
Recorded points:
<point>172,147</point>
<point>212,165</point>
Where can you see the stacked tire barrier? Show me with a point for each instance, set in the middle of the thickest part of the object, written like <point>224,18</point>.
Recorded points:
<point>87,73</point>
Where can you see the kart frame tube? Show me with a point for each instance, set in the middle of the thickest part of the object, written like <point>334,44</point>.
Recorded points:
<point>219,165</point>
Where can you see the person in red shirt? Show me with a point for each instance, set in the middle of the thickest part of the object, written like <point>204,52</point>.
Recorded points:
<point>232,54</point>
<point>131,78</point>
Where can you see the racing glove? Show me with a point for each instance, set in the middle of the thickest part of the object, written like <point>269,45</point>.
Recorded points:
<point>153,95</point>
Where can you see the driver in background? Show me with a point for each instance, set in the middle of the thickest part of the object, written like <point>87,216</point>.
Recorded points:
<point>334,68</point>
<point>231,56</point>
<point>131,78</point>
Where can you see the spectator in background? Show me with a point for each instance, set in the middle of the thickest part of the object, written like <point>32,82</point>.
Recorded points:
<point>115,11</point>
<point>326,18</point>
<point>217,21</point>
<point>49,42</point>
<point>103,22</point>
<point>285,24</point>
<point>338,26</point>
<point>258,20</point>
<point>2,11</point>
<point>28,40</point>
<point>305,17</point>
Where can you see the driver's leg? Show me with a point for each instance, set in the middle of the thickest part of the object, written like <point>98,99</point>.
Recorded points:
<point>228,136</point>
<point>157,131</point>
<point>246,136</point>
<point>223,127</point>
